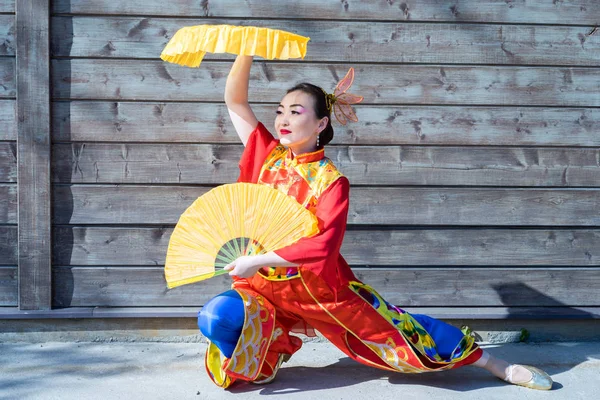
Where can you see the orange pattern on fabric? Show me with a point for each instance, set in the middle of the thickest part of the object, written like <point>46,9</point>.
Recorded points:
<point>373,332</point>
<point>257,334</point>
<point>304,177</point>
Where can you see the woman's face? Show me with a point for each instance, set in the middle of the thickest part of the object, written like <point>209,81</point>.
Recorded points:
<point>296,123</point>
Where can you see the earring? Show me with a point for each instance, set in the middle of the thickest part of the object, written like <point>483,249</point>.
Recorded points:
<point>318,136</point>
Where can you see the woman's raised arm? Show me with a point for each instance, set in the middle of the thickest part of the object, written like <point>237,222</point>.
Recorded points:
<point>236,98</point>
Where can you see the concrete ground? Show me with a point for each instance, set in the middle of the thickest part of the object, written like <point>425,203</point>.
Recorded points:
<point>318,371</point>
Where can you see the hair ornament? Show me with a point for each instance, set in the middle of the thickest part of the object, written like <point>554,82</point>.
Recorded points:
<point>341,101</point>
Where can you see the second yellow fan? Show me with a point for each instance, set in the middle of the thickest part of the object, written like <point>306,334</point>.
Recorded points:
<point>189,44</point>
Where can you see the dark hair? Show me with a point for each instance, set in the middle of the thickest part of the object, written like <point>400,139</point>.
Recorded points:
<point>320,108</point>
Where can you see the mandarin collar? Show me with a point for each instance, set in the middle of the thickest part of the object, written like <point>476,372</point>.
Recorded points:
<point>306,157</point>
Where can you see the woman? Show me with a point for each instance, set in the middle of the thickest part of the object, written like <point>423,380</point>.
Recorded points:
<point>309,285</point>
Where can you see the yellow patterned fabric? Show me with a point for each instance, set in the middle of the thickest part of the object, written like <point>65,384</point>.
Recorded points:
<point>251,350</point>
<point>304,177</point>
<point>189,44</point>
<point>214,361</point>
<point>418,337</point>
<point>397,357</point>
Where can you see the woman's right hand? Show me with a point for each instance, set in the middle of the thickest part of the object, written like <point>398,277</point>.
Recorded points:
<point>244,266</point>
<point>236,98</point>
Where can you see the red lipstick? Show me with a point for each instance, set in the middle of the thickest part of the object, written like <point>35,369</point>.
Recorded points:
<point>284,131</point>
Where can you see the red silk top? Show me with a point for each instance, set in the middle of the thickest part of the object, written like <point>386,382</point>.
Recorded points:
<point>314,182</point>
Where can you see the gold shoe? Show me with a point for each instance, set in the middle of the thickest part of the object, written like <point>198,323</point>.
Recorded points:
<point>539,379</point>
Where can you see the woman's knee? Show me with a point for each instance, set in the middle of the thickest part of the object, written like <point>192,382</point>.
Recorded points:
<point>222,316</point>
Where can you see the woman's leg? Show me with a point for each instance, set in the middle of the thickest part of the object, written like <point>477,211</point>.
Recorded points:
<point>445,336</point>
<point>521,375</point>
<point>502,369</point>
<point>221,321</point>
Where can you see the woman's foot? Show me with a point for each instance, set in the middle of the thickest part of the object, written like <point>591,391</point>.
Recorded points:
<point>539,379</point>
<point>516,374</point>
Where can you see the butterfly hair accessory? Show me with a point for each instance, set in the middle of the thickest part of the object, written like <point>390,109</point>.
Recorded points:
<point>341,101</point>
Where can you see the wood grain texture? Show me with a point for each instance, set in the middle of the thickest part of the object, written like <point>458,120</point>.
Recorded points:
<point>88,121</point>
<point>8,87</point>
<point>8,120</point>
<point>473,247</point>
<point>474,206</point>
<point>388,42</point>
<point>379,84</point>
<point>83,246</point>
<point>8,162</point>
<point>8,286</point>
<point>521,11</point>
<point>7,6</point>
<point>33,149</point>
<point>363,165</point>
<point>7,35</point>
<point>8,203</point>
<point>430,287</point>
<point>8,245</point>
<point>106,204</point>
<point>461,93</point>
<point>445,313</point>
<point>486,287</point>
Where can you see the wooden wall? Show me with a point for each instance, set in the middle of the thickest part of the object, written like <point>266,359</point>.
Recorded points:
<point>8,157</point>
<point>475,167</point>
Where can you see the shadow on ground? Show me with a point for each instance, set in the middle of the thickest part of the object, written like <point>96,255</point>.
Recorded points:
<point>347,373</point>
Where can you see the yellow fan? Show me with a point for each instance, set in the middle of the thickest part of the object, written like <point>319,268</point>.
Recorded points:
<point>231,221</point>
<point>189,44</point>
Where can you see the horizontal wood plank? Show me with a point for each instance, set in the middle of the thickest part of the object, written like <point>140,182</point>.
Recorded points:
<point>7,6</point>
<point>8,286</point>
<point>389,42</point>
<point>8,87</point>
<point>8,245</point>
<point>363,165</point>
<point>104,204</point>
<point>486,287</point>
<point>481,247</point>
<point>379,84</point>
<point>474,206</point>
<point>88,121</point>
<point>530,11</point>
<point>123,287</point>
<point>8,203</point>
<point>7,120</point>
<point>8,162</point>
<point>7,35</point>
<point>446,313</point>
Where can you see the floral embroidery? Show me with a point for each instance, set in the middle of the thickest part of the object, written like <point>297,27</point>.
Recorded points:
<point>304,177</point>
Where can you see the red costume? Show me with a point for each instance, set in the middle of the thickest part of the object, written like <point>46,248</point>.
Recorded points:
<point>322,293</point>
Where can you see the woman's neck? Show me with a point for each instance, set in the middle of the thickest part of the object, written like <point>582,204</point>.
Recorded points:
<point>297,150</point>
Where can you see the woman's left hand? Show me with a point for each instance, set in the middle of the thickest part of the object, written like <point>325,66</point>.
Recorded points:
<point>244,266</point>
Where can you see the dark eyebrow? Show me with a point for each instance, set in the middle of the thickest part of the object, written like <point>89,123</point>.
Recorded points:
<point>293,105</point>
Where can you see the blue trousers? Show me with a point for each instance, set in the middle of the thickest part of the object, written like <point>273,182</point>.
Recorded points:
<point>221,321</point>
